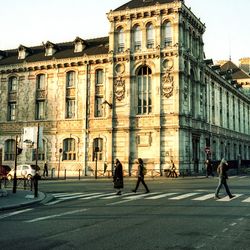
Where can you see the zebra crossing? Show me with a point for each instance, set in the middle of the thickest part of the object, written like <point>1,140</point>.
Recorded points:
<point>198,195</point>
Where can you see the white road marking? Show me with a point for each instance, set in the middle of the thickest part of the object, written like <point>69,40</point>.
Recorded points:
<point>204,197</point>
<point>116,196</point>
<point>246,200</point>
<point>15,213</point>
<point>139,196</point>
<point>64,194</point>
<point>160,196</point>
<point>118,202</point>
<point>183,196</point>
<point>77,196</point>
<point>56,215</point>
<point>226,198</point>
<point>95,196</point>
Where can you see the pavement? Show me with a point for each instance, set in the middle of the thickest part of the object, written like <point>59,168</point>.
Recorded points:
<point>22,198</point>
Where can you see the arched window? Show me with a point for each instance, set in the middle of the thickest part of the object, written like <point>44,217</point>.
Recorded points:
<point>69,149</point>
<point>137,37</point>
<point>70,79</point>
<point>144,90</point>
<point>9,150</point>
<point>120,40</point>
<point>150,35</point>
<point>12,84</point>
<point>40,82</point>
<point>167,34</point>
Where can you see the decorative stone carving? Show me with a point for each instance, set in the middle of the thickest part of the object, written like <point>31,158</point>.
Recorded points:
<point>119,69</point>
<point>167,85</point>
<point>119,89</point>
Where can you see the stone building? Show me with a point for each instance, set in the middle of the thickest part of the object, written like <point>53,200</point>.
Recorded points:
<point>144,91</point>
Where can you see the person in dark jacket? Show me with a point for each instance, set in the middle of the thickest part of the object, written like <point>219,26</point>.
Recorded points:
<point>209,168</point>
<point>222,172</point>
<point>140,176</point>
<point>45,170</point>
<point>118,177</point>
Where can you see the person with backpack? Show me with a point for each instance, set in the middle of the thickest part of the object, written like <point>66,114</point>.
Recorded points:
<point>222,172</point>
<point>141,172</point>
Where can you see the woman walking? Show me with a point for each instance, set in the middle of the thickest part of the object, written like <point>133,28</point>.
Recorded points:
<point>141,173</point>
<point>118,177</point>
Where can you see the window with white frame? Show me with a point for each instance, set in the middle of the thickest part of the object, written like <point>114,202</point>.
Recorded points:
<point>120,39</point>
<point>137,38</point>
<point>70,79</point>
<point>41,153</point>
<point>144,78</point>
<point>9,150</point>
<point>69,149</point>
<point>40,82</point>
<point>12,84</point>
<point>167,34</point>
<point>99,80</point>
<point>97,149</point>
<point>98,106</point>
<point>150,36</point>
<point>11,111</point>
<point>99,77</point>
<point>40,109</point>
<point>70,108</point>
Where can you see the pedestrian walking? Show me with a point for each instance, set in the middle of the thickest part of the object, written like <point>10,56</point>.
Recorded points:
<point>141,173</point>
<point>118,177</point>
<point>222,172</point>
<point>45,170</point>
<point>172,172</point>
<point>209,168</point>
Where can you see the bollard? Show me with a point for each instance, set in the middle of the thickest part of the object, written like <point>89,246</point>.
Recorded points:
<point>79,175</point>
<point>65,174</point>
<point>35,181</point>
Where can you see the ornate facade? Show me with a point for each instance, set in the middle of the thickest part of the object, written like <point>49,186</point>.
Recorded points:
<point>144,91</point>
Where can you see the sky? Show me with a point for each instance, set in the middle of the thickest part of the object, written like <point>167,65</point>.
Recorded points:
<point>31,22</point>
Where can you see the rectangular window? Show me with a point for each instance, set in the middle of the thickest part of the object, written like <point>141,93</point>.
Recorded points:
<point>13,84</point>
<point>69,149</point>
<point>40,110</point>
<point>70,108</point>
<point>41,82</point>
<point>99,77</point>
<point>144,95</point>
<point>9,150</point>
<point>70,79</point>
<point>11,112</point>
<point>98,106</point>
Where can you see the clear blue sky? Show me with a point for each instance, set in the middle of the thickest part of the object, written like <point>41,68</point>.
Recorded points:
<point>31,22</point>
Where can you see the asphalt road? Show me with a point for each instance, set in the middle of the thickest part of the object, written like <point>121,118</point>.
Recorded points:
<point>176,214</point>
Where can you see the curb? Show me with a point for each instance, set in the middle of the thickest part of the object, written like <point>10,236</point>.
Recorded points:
<point>40,199</point>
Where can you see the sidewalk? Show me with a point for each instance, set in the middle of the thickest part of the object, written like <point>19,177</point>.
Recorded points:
<point>22,198</point>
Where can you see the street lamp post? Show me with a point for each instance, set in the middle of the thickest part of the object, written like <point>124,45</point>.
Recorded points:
<point>96,156</point>
<point>60,152</point>
<point>15,165</point>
